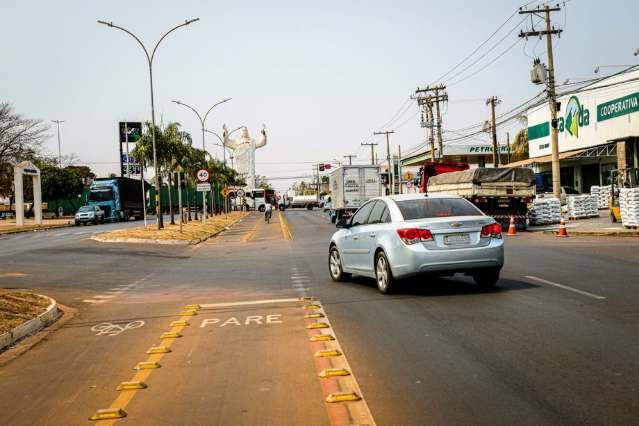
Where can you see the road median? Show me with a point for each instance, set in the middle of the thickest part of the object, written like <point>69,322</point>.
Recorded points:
<point>192,233</point>
<point>22,314</point>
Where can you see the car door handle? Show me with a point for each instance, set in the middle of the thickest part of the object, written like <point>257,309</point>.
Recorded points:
<point>372,235</point>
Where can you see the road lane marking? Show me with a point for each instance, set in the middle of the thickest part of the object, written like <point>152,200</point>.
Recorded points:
<point>345,403</point>
<point>125,396</point>
<point>93,301</point>
<point>286,231</point>
<point>248,320</point>
<point>245,303</point>
<point>109,329</point>
<point>565,287</point>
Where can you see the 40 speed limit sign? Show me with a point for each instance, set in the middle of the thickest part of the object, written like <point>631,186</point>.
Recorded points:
<point>202,175</point>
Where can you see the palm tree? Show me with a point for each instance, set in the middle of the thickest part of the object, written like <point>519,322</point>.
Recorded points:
<point>520,145</point>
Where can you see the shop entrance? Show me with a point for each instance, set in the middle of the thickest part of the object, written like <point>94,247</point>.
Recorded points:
<point>589,176</point>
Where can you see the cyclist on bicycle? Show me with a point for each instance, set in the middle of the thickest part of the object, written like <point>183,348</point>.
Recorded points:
<point>268,211</point>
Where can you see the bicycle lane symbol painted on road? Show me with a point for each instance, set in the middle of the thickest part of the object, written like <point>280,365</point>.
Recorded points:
<point>109,329</point>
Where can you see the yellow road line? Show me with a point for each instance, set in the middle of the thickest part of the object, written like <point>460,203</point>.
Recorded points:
<point>125,396</point>
<point>286,231</point>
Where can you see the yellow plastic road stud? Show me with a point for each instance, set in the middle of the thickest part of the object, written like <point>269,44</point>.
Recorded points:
<point>108,414</point>
<point>321,338</point>
<point>343,397</point>
<point>334,372</point>
<point>147,365</point>
<point>312,306</point>
<point>180,323</point>
<point>158,350</point>
<point>327,352</point>
<point>192,307</point>
<point>131,386</point>
<point>188,313</point>
<point>170,335</point>
<point>307,298</point>
<point>314,315</point>
<point>317,325</point>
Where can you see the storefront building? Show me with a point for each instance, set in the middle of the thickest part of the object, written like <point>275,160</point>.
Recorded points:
<point>598,132</point>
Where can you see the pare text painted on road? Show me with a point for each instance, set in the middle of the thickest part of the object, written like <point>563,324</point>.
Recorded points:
<point>243,320</point>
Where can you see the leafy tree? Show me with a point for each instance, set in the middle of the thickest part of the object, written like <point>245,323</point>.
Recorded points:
<point>59,183</point>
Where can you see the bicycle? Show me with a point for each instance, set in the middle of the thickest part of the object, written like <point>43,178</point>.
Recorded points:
<point>267,216</point>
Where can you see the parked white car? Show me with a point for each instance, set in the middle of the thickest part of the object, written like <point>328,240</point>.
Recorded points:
<point>395,237</point>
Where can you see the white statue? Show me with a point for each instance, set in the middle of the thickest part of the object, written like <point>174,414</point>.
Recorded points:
<point>244,148</point>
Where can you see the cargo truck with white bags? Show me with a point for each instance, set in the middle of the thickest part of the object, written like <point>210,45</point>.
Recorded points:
<point>352,186</point>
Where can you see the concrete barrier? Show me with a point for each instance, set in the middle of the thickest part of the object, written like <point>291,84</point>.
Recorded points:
<point>31,326</point>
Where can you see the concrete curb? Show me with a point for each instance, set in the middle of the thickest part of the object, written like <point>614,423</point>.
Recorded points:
<point>40,228</point>
<point>597,233</point>
<point>31,326</point>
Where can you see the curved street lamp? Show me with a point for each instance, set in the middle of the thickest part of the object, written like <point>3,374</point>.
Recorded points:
<point>149,59</point>
<point>202,119</point>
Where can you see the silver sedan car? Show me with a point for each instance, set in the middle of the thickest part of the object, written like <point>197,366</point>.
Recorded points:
<point>399,236</point>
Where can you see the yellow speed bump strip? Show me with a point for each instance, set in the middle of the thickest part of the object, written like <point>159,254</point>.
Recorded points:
<point>193,306</point>
<point>316,325</point>
<point>188,313</point>
<point>180,323</point>
<point>327,352</point>
<point>131,386</point>
<point>147,365</point>
<point>321,338</point>
<point>158,350</point>
<point>312,307</point>
<point>170,335</point>
<point>314,315</point>
<point>343,397</point>
<point>108,414</point>
<point>334,372</point>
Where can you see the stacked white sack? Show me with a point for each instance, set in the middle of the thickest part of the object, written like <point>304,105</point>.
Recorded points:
<point>580,206</point>
<point>602,193</point>
<point>545,211</point>
<point>629,205</point>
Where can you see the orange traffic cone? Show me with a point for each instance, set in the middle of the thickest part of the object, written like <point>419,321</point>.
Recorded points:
<point>512,229</point>
<point>562,228</point>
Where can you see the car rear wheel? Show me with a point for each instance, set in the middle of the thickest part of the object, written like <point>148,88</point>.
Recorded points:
<point>487,278</point>
<point>383,274</point>
<point>335,266</point>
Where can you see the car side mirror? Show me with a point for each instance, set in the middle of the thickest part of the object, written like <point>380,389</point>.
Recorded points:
<point>343,223</point>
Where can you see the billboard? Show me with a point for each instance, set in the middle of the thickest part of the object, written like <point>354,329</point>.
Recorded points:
<point>129,132</point>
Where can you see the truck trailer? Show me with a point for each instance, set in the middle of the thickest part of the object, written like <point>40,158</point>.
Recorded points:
<point>498,192</point>
<point>120,198</point>
<point>352,186</point>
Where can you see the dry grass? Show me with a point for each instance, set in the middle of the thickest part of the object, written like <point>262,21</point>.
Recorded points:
<point>190,231</point>
<point>17,307</point>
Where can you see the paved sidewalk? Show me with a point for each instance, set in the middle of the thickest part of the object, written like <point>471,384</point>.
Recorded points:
<point>8,226</point>
<point>597,226</point>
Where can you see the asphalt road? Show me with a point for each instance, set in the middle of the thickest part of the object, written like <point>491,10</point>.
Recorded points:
<point>555,344</point>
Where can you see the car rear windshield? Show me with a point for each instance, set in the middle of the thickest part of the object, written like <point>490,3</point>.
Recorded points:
<point>436,207</point>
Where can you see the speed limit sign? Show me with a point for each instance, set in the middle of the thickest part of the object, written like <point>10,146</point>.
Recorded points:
<point>202,175</point>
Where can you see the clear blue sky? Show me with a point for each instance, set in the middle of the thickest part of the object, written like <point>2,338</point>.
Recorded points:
<point>322,77</point>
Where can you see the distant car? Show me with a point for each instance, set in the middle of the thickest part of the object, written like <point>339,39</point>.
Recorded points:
<point>89,214</point>
<point>394,237</point>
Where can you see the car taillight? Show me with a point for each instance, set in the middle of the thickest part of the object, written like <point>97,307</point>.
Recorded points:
<point>492,230</point>
<point>414,235</point>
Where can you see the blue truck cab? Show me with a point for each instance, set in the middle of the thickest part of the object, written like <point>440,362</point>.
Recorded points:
<point>120,198</point>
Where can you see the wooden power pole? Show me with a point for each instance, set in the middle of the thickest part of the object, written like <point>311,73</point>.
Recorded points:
<point>350,159</point>
<point>492,101</point>
<point>552,95</point>
<point>438,96</point>
<point>372,145</point>
<point>388,159</point>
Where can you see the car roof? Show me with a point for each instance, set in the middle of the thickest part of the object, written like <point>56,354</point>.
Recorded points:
<point>416,196</point>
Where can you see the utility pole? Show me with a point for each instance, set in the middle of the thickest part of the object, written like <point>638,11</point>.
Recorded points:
<point>426,101</point>
<point>492,101</point>
<point>388,159</point>
<point>399,167</point>
<point>59,146</point>
<point>508,157</point>
<point>552,95</point>
<point>350,159</point>
<point>372,145</point>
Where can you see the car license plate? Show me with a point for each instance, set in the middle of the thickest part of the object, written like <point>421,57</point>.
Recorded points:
<point>456,239</point>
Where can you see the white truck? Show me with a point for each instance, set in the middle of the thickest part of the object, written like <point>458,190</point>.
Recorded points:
<point>352,186</point>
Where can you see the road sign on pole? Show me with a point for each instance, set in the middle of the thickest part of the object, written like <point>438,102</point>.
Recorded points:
<point>203,175</point>
<point>203,187</point>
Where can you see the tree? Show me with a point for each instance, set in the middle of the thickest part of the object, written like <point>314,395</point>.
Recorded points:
<point>20,139</point>
<point>59,183</point>
<point>520,146</point>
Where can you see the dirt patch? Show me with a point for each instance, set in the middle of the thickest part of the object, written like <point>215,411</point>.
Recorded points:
<point>190,231</point>
<point>17,307</point>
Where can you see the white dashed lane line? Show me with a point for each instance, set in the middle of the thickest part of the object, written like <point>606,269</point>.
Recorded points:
<point>565,287</point>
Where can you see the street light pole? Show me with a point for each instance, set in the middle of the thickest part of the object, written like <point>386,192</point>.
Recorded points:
<point>149,59</point>
<point>59,145</point>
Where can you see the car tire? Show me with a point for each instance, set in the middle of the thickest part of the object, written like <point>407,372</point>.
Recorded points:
<point>335,268</point>
<point>383,275</point>
<point>486,279</point>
